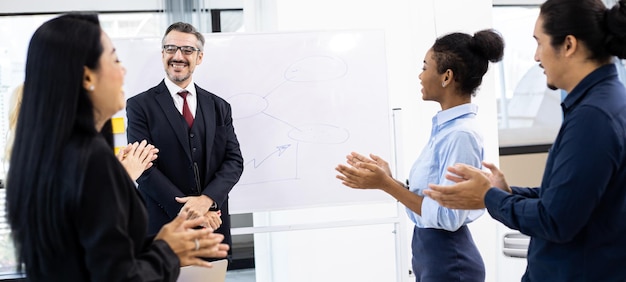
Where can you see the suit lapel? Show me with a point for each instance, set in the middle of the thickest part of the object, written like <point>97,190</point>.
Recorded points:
<point>207,106</point>
<point>164,99</point>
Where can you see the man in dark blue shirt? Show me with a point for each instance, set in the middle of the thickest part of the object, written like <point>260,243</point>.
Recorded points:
<point>577,218</point>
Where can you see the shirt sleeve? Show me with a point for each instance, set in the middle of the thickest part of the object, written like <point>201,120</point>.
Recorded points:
<point>526,192</point>
<point>461,147</point>
<point>579,170</point>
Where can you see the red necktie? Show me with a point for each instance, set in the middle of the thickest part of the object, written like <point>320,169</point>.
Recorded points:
<point>186,112</point>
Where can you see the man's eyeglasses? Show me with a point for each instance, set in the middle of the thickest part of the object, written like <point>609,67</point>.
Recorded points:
<point>186,50</point>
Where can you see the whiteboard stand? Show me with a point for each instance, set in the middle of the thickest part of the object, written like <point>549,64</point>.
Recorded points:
<point>402,231</point>
<point>311,226</point>
<point>402,247</point>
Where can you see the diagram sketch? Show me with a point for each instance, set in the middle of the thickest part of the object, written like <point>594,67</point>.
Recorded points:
<point>250,110</point>
<point>301,101</point>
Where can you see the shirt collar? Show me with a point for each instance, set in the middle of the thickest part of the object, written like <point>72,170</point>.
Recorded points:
<point>454,112</point>
<point>173,88</point>
<point>602,73</point>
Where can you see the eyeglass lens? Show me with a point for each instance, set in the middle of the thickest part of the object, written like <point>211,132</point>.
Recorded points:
<point>171,49</point>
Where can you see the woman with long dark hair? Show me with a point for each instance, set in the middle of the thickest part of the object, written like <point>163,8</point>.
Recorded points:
<point>74,212</point>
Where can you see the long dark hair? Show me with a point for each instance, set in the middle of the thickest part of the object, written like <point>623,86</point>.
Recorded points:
<point>468,56</point>
<point>602,30</point>
<point>44,179</point>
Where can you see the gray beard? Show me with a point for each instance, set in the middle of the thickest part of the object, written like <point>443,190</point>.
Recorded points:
<point>178,79</point>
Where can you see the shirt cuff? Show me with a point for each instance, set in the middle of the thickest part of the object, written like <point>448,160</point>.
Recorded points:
<point>420,192</point>
<point>493,198</point>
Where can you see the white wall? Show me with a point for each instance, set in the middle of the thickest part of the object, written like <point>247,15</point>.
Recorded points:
<point>411,27</point>
<point>46,6</point>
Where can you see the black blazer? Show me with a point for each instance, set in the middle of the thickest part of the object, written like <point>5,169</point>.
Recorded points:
<point>152,116</point>
<point>107,241</point>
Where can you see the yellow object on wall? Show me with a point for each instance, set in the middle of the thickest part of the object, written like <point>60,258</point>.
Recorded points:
<point>118,125</point>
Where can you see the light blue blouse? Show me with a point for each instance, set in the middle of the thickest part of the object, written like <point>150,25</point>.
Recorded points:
<point>455,138</point>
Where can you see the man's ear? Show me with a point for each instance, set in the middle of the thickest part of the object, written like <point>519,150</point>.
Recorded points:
<point>570,45</point>
<point>200,55</point>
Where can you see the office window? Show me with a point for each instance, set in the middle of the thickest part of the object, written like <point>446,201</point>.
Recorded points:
<point>227,20</point>
<point>528,112</point>
<point>7,254</point>
<point>125,25</point>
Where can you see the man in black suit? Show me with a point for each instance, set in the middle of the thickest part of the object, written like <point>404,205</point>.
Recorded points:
<point>199,158</point>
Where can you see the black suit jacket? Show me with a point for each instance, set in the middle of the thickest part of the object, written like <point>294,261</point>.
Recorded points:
<point>153,116</point>
<point>107,240</point>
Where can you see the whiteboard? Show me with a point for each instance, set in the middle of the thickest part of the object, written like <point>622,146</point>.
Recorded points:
<point>301,102</point>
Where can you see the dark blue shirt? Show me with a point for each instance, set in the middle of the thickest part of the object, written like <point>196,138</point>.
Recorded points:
<point>577,218</point>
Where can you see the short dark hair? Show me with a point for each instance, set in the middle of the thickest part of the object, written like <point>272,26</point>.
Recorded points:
<point>186,28</point>
<point>55,110</point>
<point>602,30</point>
<point>468,56</point>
